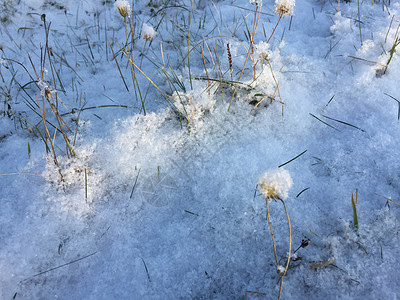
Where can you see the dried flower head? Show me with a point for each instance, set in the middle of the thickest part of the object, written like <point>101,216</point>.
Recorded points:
<point>123,7</point>
<point>148,32</point>
<point>284,7</point>
<point>275,184</point>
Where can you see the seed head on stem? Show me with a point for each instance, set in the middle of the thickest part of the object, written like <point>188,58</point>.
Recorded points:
<point>284,7</point>
<point>275,184</point>
<point>123,7</point>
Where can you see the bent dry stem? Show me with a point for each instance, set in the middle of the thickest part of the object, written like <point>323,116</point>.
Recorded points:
<point>282,274</point>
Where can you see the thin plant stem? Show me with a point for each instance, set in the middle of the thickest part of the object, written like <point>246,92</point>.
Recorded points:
<point>205,41</point>
<point>290,237</point>
<point>280,287</point>
<point>273,31</point>
<point>126,34</point>
<point>276,82</point>
<point>188,44</point>
<point>105,28</point>
<point>272,233</point>
<point>144,74</point>
<point>359,21</point>
<point>290,249</point>
<point>273,241</point>
<point>144,46</point>
<point>133,27</point>
<point>119,69</point>
<point>255,25</point>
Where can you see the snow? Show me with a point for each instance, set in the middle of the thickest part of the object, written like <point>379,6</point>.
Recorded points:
<point>165,204</point>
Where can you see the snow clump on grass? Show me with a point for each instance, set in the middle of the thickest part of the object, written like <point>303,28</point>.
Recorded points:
<point>123,7</point>
<point>284,7</point>
<point>45,89</point>
<point>148,32</point>
<point>281,269</point>
<point>262,51</point>
<point>275,184</point>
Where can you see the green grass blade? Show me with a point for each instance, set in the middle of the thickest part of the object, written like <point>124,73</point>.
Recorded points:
<point>353,204</point>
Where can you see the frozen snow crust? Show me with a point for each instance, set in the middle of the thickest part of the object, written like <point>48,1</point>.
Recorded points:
<point>171,210</point>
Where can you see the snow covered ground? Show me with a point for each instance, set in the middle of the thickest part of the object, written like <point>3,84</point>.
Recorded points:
<point>163,203</point>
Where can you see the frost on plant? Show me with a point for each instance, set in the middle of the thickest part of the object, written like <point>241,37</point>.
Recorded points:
<point>280,269</point>
<point>45,89</point>
<point>284,7</point>
<point>262,51</point>
<point>148,32</point>
<point>275,184</point>
<point>123,8</point>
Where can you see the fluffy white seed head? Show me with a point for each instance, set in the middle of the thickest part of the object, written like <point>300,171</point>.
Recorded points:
<point>284,7</point>
<point>275,184</point>
<point>123,8</point>
<point>148,32</point>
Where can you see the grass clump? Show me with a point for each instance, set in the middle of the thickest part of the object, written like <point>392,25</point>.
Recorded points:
<point>45,103</point>
<point>135,54</point>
